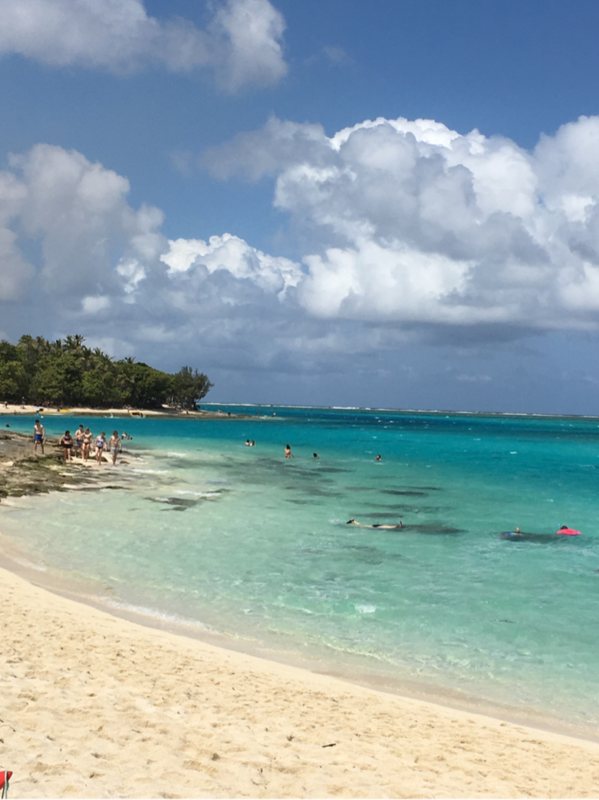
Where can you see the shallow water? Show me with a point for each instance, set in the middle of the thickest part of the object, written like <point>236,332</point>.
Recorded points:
<point>240,541</point>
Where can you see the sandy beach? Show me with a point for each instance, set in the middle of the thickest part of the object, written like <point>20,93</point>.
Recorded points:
<point>96,706</point>
<point>13,409</point>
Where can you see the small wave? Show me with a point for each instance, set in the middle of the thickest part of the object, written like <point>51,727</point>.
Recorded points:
<point>155,613</point>
<point>31,564</point>
<point>177,455</point>
<point>151,471</point>
<point>198,494</point>
<point>365,608</point>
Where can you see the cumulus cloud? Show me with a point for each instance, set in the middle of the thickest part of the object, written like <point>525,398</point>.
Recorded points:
<point>75,255</point>
<point>241,44</point>
<point>230,253</point>
<point>416,235</point>
<point>78,214</point>
<point>412,222</point>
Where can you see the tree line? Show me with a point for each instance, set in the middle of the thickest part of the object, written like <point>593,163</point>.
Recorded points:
<point>68,373</point>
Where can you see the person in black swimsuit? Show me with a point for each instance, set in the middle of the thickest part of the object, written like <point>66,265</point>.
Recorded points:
<point>66,442</point>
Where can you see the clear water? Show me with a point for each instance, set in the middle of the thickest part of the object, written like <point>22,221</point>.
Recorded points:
<point>243,542</point>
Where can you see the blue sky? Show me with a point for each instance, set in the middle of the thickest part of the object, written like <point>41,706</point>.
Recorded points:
<point>198,183</point>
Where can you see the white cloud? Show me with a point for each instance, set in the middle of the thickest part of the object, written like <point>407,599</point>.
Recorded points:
<point>245,44</point>
<point>414,223</point>
<point>78,213</point>
<point>241,44</point>
<point>234,255</point>
<point>99,265</point>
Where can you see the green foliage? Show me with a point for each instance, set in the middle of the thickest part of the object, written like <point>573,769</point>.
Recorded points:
<point>66,372</point>
<point>190,386</point>
<point>13,380</point>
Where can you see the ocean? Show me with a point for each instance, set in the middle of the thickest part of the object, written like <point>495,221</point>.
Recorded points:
<point>241,544</point>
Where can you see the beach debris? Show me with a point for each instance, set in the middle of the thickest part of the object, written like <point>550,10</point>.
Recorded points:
<point>215,757</point>
<point>332,744</point>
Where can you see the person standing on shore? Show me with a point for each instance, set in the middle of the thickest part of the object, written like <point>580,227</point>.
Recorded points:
<point>66,442</point>
<point>115,446</point>
<point>86,443</point>
<point>39,435</point>
<point>100,445</point>
<point>79,434</point>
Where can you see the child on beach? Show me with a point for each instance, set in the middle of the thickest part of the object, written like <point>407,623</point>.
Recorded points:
<point>39,434</point>
<point>115,446</point>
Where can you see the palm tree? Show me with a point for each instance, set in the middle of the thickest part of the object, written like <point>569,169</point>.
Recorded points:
<point>73,344</point>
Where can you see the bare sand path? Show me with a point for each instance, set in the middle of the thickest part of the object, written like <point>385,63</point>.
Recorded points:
<point>95,706</point>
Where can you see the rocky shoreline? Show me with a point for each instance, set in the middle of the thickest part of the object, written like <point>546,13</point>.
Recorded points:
<point>24,473</point>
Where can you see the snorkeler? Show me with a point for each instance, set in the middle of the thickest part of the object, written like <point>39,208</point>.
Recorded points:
<point>377,525</point>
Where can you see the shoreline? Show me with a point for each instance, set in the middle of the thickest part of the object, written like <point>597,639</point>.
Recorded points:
<point>267,664</point>
<point>22,472</point>
<point>205,721</point>
<point>29,410</point>
<point>28,474</point>
<point>407,687</point>
<point>91,594</point>
<point>35,475</point>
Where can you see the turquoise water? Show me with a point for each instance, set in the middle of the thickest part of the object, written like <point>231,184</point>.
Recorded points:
<point>240,541</point>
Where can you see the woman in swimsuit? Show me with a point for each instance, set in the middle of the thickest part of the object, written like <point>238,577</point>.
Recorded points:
<point>100,445</point>
<point>87,441</point>
<point>66,442</point>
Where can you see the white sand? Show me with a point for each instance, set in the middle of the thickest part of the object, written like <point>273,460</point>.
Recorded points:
<point>95,706</point>
<point>12,409</point>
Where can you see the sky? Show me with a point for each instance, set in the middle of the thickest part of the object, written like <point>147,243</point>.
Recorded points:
<point>327,202</point>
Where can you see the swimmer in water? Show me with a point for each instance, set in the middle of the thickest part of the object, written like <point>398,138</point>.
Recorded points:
<point>288,453</point>
<point>388,527</point>
<point>377,526</point>
<point>378,458</point>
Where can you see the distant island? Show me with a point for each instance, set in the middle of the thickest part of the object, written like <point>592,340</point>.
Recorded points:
<point>67,372</point>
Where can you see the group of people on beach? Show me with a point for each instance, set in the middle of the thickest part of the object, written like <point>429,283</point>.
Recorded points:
<point>82,444</point>
<point>83,441</point>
